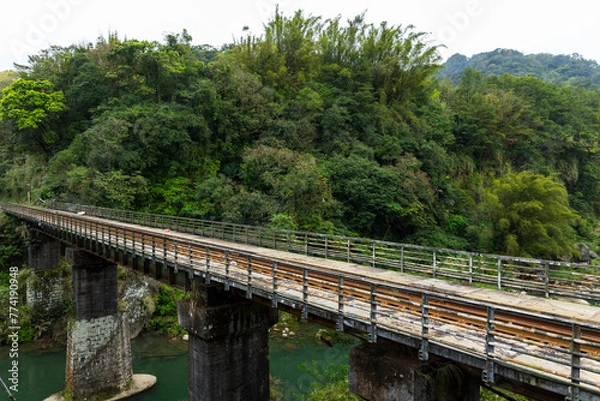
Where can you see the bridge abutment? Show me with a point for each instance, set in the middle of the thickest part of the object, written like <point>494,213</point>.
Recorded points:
<point>228,345</point>
<point>386,371</point>
<point>98,345</point>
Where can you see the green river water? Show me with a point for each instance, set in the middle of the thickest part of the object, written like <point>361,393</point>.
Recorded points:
<point>41,373</point>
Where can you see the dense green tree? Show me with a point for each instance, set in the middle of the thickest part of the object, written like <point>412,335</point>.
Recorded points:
<point>526,214</point>
<point>379,201</point>
<point>87,88</point>
<point>175,198</point>
<point>238,109</point>
<point>148,138</point>
<point>120,191</point>
<point>214,195</point>
<point>30,104</point>
<point>293,179</point>
<point>487,122</point>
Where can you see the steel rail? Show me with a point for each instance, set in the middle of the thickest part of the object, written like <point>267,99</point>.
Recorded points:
<point>562,350</point>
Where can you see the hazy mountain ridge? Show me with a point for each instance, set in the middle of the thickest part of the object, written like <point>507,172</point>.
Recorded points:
<point>570,69</point>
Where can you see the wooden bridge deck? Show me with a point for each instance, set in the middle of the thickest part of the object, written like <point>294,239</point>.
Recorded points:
<point>555,343</point>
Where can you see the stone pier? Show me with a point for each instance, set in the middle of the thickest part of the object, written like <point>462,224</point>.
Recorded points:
<point>47,291</point>
<point>228,345</point>
<point>98,345</point>
<point>387,371</point>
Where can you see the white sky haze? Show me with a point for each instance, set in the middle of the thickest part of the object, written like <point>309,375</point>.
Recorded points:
<point>463,26</point>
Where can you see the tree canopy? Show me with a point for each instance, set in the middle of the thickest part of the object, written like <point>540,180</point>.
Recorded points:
<point>527,214</point>
<point>316,124</point>
<point>30,104</point>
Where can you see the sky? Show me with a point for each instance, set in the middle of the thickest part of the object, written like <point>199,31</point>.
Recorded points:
<point>462,26</point>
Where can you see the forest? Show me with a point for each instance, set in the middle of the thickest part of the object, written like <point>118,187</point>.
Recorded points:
<point>315,124</point>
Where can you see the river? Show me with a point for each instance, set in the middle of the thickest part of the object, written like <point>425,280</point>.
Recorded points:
<point>41,372</point>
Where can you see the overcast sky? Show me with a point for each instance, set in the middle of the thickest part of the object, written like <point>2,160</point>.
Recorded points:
<point>463,26</point>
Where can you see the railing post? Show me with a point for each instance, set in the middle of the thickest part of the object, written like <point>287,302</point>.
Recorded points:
<point>249,277</point>
<point>164,247</point>
<point>109,240</point>
<point>133,262</point>
<point>226,284</point>
<point>103,240</point>
<point>73,230</point>
<point>547,279</point>
<point>575,349</point>
<point>374,258</point>
<point>305,293</point>
<point>499,273</point>
<point>488,373</point>
<point>348,251</point>
<point>124,234</point>
<point>87,231</point>
<point>434,263</point>
<point>274,277</point>
<point>306,244</point>
<point>340,299</point>
<point>153,249</point>
<point>143,243</point>
<point>117,245</point>
<point>207,278</point>
<point>176,251</point>
<point>470,269</point>
<point>402,259</point>
<point>191,262</point>
<point>424,351</point>
<point>373,315</point>
<point>96,245</point>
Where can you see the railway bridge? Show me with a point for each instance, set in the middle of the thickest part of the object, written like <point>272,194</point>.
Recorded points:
<point>496,319</point>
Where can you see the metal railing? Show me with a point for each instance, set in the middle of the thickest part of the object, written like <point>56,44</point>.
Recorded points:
<point>535,276</point>
<point>558,348</point>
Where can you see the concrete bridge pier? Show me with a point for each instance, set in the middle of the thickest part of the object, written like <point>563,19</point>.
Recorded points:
<point>44,256</point>
<point>228,345</point>
<point>387,371</point>
<point>98,345</point>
